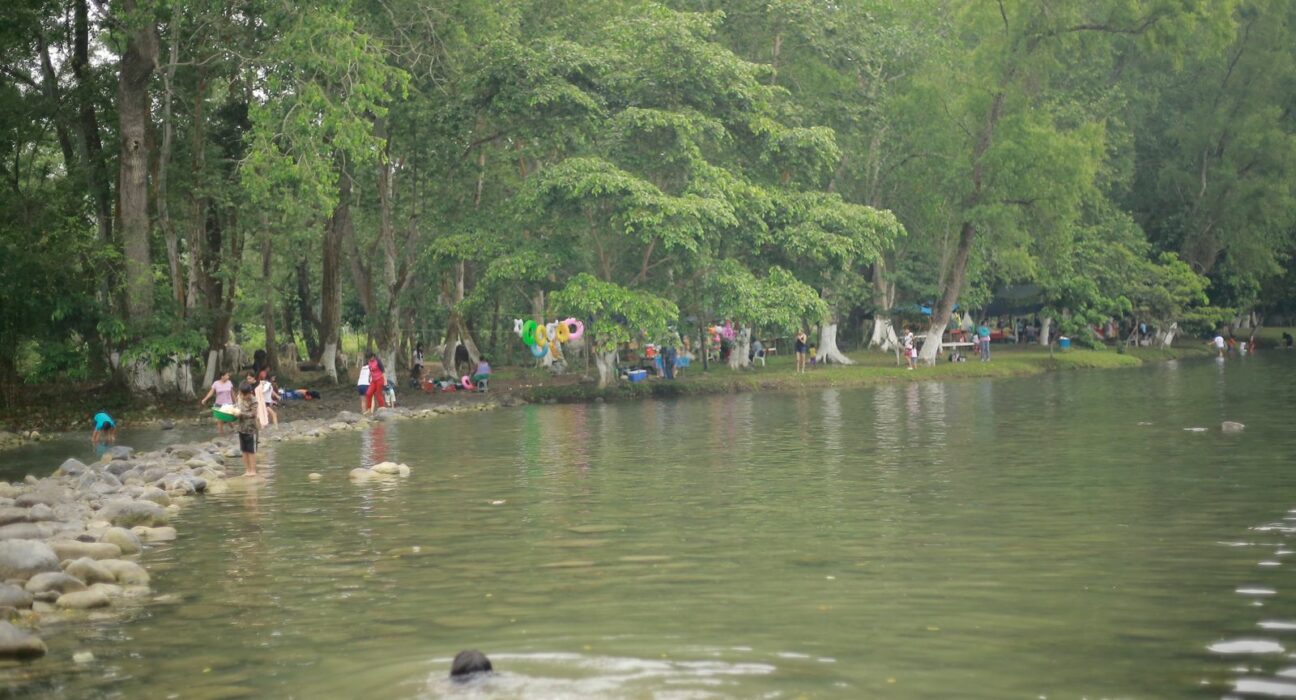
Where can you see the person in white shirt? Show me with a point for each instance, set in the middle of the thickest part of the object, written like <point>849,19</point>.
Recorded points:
<point>363,385</point>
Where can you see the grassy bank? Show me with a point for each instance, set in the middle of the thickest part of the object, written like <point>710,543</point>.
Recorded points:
<point>872,369</point>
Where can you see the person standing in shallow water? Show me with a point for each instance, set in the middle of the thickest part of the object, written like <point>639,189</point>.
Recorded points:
<point>223,390</point>
<point>377,384</point>
<point>248,427</point>
<point>802,350</point>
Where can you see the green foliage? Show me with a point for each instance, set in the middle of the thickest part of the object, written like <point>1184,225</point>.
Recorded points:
<point>614,314</point>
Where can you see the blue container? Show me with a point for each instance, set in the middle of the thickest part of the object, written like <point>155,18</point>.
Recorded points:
<point>1064,343</point>
<point>638,375</point>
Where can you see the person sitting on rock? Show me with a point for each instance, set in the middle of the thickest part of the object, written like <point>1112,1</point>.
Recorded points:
<point>104,429</point>
<point>469,664</point>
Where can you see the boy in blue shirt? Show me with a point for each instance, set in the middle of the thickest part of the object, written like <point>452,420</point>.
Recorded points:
<point>104,429</point>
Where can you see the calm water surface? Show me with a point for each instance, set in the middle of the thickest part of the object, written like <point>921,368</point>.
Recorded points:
<point>1061,536</point>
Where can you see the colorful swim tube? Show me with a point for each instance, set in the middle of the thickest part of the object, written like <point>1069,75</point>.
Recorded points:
<point>538,351</point>
<point>562,333</point>
<point>575,329</point>
<point>528,332</point>
<point>466,382</point>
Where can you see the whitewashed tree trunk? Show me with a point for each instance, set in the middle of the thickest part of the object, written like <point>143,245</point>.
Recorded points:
<point>1045,326</point>
<point>213,365</point>
<point>742,345</point>
<point>884,335</point>
<point>328,358</point>
<point>932,344</point>
<point>828,346</point>
<point>1165,337</point>
<point>605,362</point>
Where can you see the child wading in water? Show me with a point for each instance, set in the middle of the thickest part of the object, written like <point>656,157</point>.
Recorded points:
<point>247,428</point>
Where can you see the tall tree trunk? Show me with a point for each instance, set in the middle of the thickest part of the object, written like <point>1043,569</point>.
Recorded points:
<point>605,363</point>
<point>50,86</point>
<point>197,233</point>
<point>828,350</point>
<point>884,335</point>
<point>742,346</point>
<point>338,228</point>
<point>953,285</point>
<point>137,64</point>
<point>90,145</point>
<point>267,286</point>
<point>1046,328</point>
<point>164,163</point>
<point>310,323</point>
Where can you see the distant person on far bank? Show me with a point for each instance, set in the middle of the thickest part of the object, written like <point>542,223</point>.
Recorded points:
<point>802,350</point>
<point>983,335</point>
<point>482,372</point>
<point>105,429</point>
<point>418,365</point>
<point>909,347</point>
<point>1287,340</point>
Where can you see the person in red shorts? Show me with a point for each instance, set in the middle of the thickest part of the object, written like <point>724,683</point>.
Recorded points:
<point>377,382</point>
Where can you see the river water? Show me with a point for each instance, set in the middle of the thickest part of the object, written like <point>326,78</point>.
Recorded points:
<point>1058,536</point>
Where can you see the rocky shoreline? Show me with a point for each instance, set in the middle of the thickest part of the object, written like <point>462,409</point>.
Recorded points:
<point>74,544</point>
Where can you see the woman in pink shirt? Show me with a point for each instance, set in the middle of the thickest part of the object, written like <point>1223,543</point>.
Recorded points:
<point>223,390</point>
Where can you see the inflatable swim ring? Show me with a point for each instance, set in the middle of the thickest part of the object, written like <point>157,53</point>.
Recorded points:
<point>562,333</point>
<point>517,326</point>
<point>541,337</point>
<point>528,332</point>
<point>577,329</point>
<point>466,382</point>
<point>538,351</point>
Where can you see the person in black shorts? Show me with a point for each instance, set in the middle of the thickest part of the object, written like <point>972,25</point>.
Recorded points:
<point>247,428</point>
<point>801,352</point>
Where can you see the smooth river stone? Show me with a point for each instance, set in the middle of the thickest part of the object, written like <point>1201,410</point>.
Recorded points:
<point>54,581</point>
<point>90,571</point>
<point>595,529</point>
<point>12,596</point>
<point>127,573</point>
<point>75,549</point>
<point>22,559</point>
<point>83,600</point>
<point>128,542</point>
<point>155,534</point>
<point>19,644</point>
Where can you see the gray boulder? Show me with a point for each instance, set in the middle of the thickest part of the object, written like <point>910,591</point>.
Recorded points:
<point>119,468</point>
<point>71,467</point>
<point>129,513</point>
<point>73,549</point>
<point>127,573</point>
<point>14,596</point>
<point>12,514</point>
<point>88,570</point>
<point>21,531</point>
<point>83,600</point>
<point>54,581</point>
<point>22,559</point>
<point>156,495</point>
<point>127,541</point>
<point>349,418</point>
<point>120,452</point>
<point>17,644</point>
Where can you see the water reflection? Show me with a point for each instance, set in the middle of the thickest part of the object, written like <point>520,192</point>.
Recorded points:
<point>918,540</point>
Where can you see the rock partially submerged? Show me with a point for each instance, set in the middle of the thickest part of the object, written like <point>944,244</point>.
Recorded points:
<point>18,644</point>
<point>1229,426</point>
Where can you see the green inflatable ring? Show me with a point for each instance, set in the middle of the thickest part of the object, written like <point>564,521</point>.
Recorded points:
<point>528,332</point>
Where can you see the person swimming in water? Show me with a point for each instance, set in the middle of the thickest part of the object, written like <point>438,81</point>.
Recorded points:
<point>469,664</point>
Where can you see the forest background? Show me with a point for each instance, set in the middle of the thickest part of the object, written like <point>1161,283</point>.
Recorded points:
<point>174,172</point>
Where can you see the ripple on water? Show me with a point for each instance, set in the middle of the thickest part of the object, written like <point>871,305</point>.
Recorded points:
<point>1255,590</point>
<point>1267,688</point>
<point>1247,646</point>
<point>560,676</point>
<point>1277,625</point>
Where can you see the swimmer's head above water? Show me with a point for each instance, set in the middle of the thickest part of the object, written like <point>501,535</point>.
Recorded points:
<point>468,664</point>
